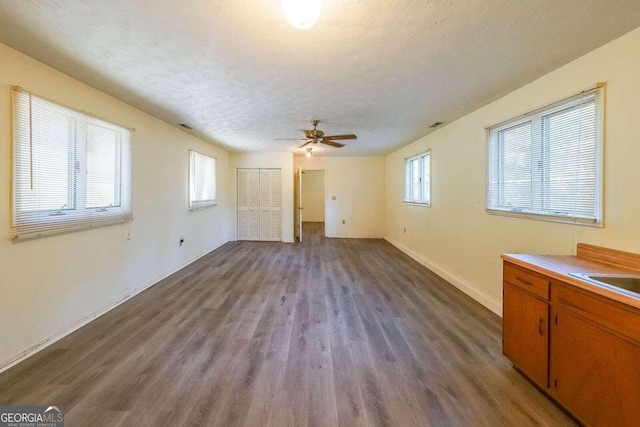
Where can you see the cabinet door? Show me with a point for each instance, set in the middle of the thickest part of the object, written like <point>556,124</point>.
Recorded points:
<point>594,373</point>
<point>525,333</point>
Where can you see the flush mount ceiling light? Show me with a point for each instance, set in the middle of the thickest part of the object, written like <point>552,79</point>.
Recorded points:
<point>309,151</point>
<point>302,14</point>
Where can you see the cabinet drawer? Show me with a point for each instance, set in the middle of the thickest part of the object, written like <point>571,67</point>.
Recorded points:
<point>625,321</point>
<point>538,285</point>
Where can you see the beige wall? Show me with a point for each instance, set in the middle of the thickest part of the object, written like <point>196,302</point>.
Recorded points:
<point>52,285</point>
<point>313,196</point>
<point>459,240</point>
<point>283,161</point>
<point>358,186</point>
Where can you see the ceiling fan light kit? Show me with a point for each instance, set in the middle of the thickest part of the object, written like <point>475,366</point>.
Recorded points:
<point>302,14</point>
<point>316,136</point>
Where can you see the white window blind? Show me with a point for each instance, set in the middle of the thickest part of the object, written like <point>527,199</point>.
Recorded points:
<point>417,187</point>
<point>70,171</point>
<point>547,164</point>
<point>202,180</point>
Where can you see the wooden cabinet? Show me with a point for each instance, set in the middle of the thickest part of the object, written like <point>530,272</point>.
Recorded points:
<point>580,348</point>
<point>525,332</point>
<point>594,369</point>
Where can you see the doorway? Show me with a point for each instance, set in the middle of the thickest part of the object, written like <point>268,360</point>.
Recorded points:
<point>310,201</point>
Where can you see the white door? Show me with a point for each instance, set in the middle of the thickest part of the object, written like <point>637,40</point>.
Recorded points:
<point>248,204</point>
<point>270,204</point>
<point>259,204</point>
<point>243,204</point>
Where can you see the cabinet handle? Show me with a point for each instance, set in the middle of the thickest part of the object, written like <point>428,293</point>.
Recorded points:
<point>524,282</point>
<point>541,326</point>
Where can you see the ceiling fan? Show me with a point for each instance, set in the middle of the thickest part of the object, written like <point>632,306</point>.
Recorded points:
<point>315,136</point>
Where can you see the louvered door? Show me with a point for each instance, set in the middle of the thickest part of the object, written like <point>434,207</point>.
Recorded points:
<point>260,204</point>
<point>248,204</point>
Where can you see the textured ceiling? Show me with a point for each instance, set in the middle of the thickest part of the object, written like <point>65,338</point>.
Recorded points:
<point>237,73</point>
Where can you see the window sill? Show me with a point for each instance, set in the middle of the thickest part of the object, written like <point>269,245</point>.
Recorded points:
<point>203,206</point>
<point>70,228</point>
<point>563,219</point>
<point>424,205</point>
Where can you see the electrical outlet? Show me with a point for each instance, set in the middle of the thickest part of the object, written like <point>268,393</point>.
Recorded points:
<point>333,197</point>
<point>343,221</point>
<point>181,241</point>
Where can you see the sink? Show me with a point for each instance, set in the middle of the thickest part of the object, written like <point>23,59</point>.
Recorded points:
<point>620,282</point>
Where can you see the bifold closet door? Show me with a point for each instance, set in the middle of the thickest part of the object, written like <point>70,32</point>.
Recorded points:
<point>260,204</point>
<point>248,204</point>
<point>270,204</point>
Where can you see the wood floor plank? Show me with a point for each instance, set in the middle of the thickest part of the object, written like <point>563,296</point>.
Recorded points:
<point>329,332</point>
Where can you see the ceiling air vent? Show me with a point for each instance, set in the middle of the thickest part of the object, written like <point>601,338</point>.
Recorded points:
<point>436,124</point>
<point>185,126</point>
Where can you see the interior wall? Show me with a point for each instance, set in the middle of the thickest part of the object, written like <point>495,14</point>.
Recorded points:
<point>313,196</point>
<point>283,161</point>
<point>52,285</point>
<point>357,183</point>
<point>459,240</point>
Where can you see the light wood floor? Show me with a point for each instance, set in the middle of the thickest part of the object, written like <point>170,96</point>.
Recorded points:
<point>327,332</point>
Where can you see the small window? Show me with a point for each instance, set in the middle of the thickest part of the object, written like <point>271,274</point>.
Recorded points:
<point>547,164</point>
<point>202,180</point>
<point>70,171</point>
<point>417,188</point>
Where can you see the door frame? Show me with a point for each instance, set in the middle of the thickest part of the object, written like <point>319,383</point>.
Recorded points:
<point>297,205</point>
<point>301,170</point>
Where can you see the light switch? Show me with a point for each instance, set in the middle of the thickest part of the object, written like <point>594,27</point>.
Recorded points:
<point>333,197</point>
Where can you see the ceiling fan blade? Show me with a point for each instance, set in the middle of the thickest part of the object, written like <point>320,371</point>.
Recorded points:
<point>306,143</point>
<point>331,143</point>
<point>290,139</point>
<point>347,136</point>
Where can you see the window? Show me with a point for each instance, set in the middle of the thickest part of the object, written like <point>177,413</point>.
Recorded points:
<point>547,163</point>
<point>202,180</point>
<point>417,183</point>
<point>70,171</point>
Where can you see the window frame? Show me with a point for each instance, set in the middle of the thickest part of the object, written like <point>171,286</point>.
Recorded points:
<point>195,204</point>
<point>425,201</point>
<point>540,117</point>
<point>76,214</point>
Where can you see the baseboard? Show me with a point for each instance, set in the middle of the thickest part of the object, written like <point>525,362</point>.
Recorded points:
<point>464,285</point>
<point>22,355</point>
<point>348,236</point>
